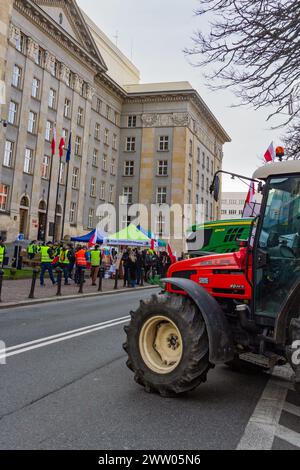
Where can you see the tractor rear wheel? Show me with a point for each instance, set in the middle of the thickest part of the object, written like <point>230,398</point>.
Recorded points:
<point>167,345</point>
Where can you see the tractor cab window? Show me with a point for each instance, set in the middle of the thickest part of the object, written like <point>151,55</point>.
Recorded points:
<point>278,254</point>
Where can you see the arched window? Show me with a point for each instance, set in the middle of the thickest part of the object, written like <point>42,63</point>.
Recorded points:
<point>42,206</point>
<point>24,201</point>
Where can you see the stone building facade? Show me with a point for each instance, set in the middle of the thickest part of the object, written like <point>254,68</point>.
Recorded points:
<point>149,143</point>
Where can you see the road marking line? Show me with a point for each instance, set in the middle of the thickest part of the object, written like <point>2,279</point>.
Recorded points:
<point>64,338</point>
<point>262,426</point>
<point>41,340</point>
<point>288,435</point>
<point>292,409</point>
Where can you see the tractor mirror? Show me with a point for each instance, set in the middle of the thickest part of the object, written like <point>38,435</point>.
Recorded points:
<point>215,188</point>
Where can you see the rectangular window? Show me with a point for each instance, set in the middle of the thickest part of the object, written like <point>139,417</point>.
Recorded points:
<point>198,155</point>
<point>62,173</point>
<point>190,172</point>
<point>39,57</point>
<point>77,147</point>
<point>65,134</point>
<point>35,88</point>
<point>45,167</point>
<point>131,121</point>
<point>111,194</point>
<point>32,122</point>
<point>127,195</point>
<point>93,187</point>
<point>91,217</point>
<point>97,131</point>
<point>98,106</point>
<point>191,148</point>
<point>52,99</point>
<point>161,195</point>
<point>75,178</point>
<point>126,221</point>
<point>28,161</point>
<point>12,112</point>
<point>95,158</point>
<point>115,139</point>
<point>4,189</point>
<point>20,42</point>
<point>129,168</point>
<point>104,163</point>
<point>163,143</point>
<point>160,225</point>
<point>67,108</point>
<point>80,117</point>
<point>116,119</point>
<point>113,167</point>
<point>49,131</point>
<point>162,168</point>
<point>72,215</point>
<point>8,153</point>
<point>106,137</point>
<point>130,144</point>
<point>102,191</point>
<point>17,77</point>
<point>108,110</point>
<point>189,196</point>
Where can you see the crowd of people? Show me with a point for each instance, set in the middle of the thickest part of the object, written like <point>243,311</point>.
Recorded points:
<point>129,264</point>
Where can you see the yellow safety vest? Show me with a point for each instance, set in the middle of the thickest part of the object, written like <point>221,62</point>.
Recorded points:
<point>2,253</point>
<point>95,258</point>
<point>45,255</point>
<point>63,257</point>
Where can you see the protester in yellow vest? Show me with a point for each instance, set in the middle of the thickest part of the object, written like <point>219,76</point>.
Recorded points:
<point>47,257</point>
<point>95,263</point>
<point>2,253</point>
<point>64,262</point>
<point>31,250</point>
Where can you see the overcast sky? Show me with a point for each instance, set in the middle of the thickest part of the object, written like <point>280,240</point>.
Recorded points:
<point>154,34</point>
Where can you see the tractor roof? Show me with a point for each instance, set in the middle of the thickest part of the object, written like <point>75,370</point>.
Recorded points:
<point>280,168</point>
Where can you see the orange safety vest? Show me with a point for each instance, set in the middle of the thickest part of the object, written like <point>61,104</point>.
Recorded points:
<point>80,258</point>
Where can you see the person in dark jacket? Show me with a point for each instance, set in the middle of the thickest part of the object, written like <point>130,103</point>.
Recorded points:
<point>132,266</point>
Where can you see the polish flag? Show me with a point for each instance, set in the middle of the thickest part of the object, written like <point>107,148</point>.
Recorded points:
<point>153,244</point>
<point>61,147</point>
<point>270,153</point>
<point>251,193</point>
<point>53,143</point>
<point>93,240</point>
<point>170,253</point>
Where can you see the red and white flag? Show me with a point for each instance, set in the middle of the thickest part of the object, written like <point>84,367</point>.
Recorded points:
<point>93,239</point>
<point>170,253</point>
<point>270,153</point>
<point>251,193</point>
<point>61,147</point>
<point>53,143</point>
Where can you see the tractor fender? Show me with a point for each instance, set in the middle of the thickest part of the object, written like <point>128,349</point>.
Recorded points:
<point>221,347</point>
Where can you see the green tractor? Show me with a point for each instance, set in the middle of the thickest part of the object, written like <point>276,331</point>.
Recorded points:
<point>217,237</point>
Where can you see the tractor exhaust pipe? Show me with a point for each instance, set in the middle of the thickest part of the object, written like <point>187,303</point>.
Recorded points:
<point>244,313</point>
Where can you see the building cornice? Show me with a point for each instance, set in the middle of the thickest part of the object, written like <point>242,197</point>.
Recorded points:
<point>29,9</point>
<point>181,95</point>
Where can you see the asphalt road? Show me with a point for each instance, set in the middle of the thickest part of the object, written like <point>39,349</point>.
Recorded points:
<point>66,386</point>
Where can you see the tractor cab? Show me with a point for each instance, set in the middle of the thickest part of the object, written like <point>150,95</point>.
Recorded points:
<point>276,263</point>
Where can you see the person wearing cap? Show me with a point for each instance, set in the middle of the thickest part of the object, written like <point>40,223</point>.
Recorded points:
<point>47,256</point>
<point>95,263</point>
<point>2,252</point>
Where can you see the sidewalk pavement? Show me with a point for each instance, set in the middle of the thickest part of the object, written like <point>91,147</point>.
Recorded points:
<point>16,292</point>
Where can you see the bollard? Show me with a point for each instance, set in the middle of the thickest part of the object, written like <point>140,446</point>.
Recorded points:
<point>81,282</point>
<point>101,276</point>
<point>1,282</point>
<point>33,282</point>
<point>116,279</point>
<point>59,278</point>
<point>142,277</point>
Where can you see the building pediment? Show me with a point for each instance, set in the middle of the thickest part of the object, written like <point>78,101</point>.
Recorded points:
<point>63,19</point>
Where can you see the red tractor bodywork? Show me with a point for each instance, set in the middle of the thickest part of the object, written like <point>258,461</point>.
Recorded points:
<point>222,276</point>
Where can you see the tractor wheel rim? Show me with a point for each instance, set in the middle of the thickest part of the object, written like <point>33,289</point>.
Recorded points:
<point>161,345</point>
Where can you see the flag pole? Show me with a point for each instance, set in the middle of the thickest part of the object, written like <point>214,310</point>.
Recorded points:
<point>56,203</point>
<point>65,203</point>
<point>68,158</point>
<point>53,144</point>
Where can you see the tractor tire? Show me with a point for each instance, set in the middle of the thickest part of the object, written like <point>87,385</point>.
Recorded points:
<point>294,337</point>
<point>167,345</point>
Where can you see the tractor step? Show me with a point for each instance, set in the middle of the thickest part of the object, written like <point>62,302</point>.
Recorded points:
<point>266,362</point>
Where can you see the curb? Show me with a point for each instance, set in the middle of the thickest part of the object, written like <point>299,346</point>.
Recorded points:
<point>27,303</point>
